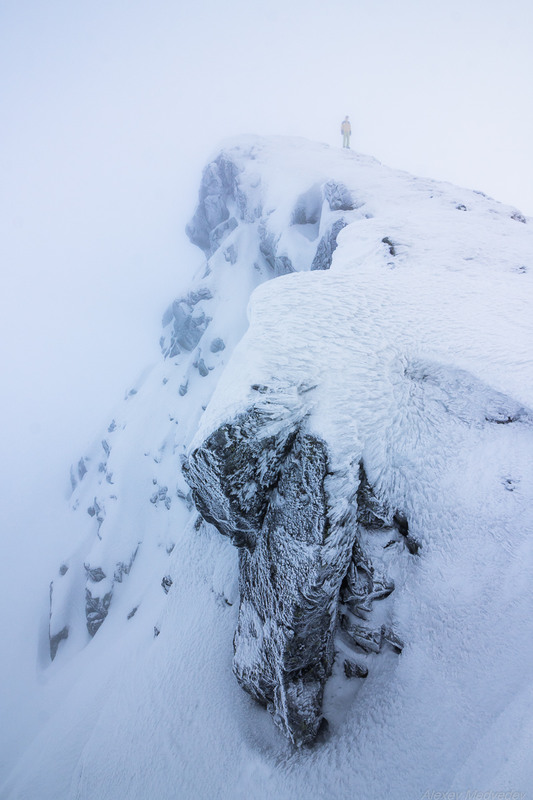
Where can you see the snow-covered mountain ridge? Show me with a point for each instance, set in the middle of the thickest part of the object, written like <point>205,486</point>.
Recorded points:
<point>361,429</point>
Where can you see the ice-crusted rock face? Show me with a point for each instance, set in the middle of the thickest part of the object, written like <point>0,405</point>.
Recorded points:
<point>354,336</point>
<point>262,480</point>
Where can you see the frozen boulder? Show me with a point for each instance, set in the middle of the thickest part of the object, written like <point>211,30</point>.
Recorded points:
<point>260,479</point>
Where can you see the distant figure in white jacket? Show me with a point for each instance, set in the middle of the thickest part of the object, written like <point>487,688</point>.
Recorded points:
<point>346,130</point>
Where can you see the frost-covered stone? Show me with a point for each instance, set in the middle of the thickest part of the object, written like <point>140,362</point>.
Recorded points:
<point>261,481</point>
<point>56,639</point>
<point>218,234</point>
<point>268,246</point>
<point>217,345</point>
<point>94,574</point>
<point>218,188</point>
<point>185,322</point>
<point>96,609</point>
<point>339,196</point>
<point>327,246</point>
<point>82,469</point>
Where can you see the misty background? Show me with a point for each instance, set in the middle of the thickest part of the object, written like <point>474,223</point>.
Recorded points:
<point>109,111</point>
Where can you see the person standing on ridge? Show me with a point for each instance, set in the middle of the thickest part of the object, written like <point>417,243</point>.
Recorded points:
<point>346,130</point>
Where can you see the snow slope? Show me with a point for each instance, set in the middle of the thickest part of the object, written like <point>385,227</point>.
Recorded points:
<point>415,348</point>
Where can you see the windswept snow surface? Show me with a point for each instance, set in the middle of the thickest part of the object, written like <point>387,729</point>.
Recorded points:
<point>415,349</point>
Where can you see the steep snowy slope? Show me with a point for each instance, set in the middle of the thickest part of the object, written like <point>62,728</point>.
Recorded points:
<point>367,447</point>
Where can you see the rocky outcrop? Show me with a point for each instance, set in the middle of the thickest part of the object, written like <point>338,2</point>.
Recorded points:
<point>218,185</point>
<point>186,323</point>
<point>262,480</point>
<point>327,246</point>
<point>268,246</point>
<point>339,197</point>
<point>96,609</point>
<point>221,202</point>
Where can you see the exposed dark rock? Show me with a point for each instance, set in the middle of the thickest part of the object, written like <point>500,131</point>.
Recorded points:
<point>123,567</point>
<point>260,481</point>
<point>233,471</point>
<point>366,639</point>
<point>354,670</point>
<point>363,584</point>
<point>203,293</point>
<point>96,511</point>
<point>391,638</point>
<point>94,574</point>
<point>183,388</point>
<point>96,610</point>
<point>231,254</point>
<point>188,324</point>
<point>370,511</point>
<point>166,583</point>
<point>219,188</point>
<point>390,244</point>
<point>339,197</point>
<point>161,496</point>
<point>221,232</point>
<point>82,469</point>
<point>63,569</point>
<point>403,526</point>
<point>217,345</point>
<point>186,498</point>
<point>133,612</point>
<point>268,246</point>
<point>504,418</point>
<point>187,329</point>
<point>327,246</point>
<point>518,217</point>
<point>202,368</point>
<point>112,426</point>
<point>56,639</point>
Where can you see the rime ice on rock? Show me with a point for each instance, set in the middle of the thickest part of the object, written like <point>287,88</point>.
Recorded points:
<point>260,480</point>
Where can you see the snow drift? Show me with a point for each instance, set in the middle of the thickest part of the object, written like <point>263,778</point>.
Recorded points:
<point>348,389</point>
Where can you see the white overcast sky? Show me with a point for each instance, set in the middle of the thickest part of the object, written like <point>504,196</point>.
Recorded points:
<point>110,108</point>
